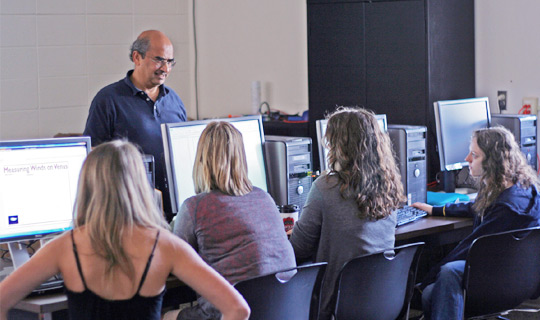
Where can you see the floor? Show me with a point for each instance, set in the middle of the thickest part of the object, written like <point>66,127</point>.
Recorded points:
<point>415,315</point>
<point>533,304</point>
<point>523,316</point>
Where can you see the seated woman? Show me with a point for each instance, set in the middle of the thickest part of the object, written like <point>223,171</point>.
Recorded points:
<point>350,209</point>
<point>507,199</point>
<point>234,226</point>
<point>118,256</point>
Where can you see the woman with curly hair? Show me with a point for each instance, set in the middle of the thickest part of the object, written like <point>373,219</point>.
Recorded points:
<point>507,200</point>
<point>350,209</point>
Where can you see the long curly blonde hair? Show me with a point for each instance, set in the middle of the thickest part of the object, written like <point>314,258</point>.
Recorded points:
<point>361,157</point>
<point>504,164</point>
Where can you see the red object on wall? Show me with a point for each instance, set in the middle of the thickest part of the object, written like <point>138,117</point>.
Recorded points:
<point>526,109</point>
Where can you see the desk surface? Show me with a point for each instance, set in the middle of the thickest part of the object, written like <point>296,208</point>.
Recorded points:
<point>430,226</point>
<point>426,227</point>
<point>48,303</point>
<point>45,303</point>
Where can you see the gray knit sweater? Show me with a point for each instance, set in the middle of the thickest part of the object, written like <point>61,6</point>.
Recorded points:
<point>329,230</point>
<point>240,237</point>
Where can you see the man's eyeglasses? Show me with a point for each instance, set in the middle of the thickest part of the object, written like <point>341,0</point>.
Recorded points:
<point>162,61</point>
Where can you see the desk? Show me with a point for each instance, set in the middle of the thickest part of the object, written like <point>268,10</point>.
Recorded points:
<point>440,235</point>
<point>44,305</point>
<point>434,230</point>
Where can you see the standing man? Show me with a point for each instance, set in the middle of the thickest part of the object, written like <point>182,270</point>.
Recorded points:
<point>135,107</point>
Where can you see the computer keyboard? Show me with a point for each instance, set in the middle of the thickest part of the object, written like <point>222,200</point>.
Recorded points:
<point>55,284</point>
<point>409,214</point>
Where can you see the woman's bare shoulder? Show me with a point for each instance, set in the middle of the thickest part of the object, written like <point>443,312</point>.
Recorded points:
<point>55,249</point>
<point>170,239</point>
<point>60,242</point>
<point>173,246</point>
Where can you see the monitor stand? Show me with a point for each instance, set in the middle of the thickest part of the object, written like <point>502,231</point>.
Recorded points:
<point>448,179</point>
<point>19,254</point>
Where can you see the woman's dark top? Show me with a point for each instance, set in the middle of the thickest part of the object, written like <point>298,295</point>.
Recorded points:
<point>515,208</point>
<point>88,305</point>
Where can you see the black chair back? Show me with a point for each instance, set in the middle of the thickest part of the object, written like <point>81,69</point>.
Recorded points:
<point>378,286</point>
<point>278,296</point>
<point>502,271</point>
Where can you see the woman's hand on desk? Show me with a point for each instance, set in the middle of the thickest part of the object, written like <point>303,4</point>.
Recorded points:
<point>423,206</point>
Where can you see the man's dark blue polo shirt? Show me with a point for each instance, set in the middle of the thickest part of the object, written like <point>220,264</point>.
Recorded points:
<point>120,110</point>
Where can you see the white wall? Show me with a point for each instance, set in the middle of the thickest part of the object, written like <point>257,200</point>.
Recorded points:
<point>507,50</point>
<point>56,54</point>
<point>240,41</point>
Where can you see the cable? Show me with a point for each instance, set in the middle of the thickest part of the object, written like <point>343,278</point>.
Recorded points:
<point>526,109</point>
<point>468,181</point>
<point>30,244</point>
<point>4,253</point>
<point>438,177</point>
<point>538,163</point>
<point>264,103</point>
<point>294,121</point>
<point>196,65</point>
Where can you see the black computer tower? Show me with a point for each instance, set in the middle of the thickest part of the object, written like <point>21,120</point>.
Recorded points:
<point>523,126</point>
<point>150,168</point>
<point>409,144</point>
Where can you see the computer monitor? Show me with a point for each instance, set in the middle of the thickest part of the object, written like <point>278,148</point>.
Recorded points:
<point>321,130</point>
<point>381,120</point>
<point>180,145</point>
<point>455,121</point>
<point>38,186</point>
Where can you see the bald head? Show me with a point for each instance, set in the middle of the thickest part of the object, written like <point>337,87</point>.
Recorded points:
<point>155,36</point>
<point>148,39</point>
<point>153,58</point>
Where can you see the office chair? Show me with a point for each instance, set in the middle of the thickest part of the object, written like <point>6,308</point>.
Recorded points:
<point>379,285</point>
<point>501,272</point>
<point>285,294</point>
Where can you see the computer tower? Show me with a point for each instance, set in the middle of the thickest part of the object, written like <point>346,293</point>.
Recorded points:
<point>289,167</point>
<point>150,168</point>
<point>410,147</point>
<point>523,126</point>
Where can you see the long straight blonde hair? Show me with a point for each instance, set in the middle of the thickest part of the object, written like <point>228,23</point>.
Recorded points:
<point>113,196</point>
<point>220,162</point>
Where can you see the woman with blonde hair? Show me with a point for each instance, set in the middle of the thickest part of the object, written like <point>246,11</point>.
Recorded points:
<point>234,226</point>
<point>350,209</point>
<point>507,200</point>
<point>117,258</point>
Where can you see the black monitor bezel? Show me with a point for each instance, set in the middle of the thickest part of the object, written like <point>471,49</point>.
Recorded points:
<point>441,140</point>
